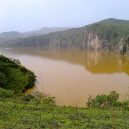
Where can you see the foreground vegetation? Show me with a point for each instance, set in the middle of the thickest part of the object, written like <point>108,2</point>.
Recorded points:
<point>36,111</point>
<point>107,101</point>
<point>14,76</point>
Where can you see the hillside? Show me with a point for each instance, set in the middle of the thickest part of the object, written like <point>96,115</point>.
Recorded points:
<point>105,34</point>
<point>14,76</point>
<point>111,30</point>
<point>45,30</point>
<point>7,37</point>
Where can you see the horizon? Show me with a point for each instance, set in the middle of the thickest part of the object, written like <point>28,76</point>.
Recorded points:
<point>45,27</point>
<point>30,15</point>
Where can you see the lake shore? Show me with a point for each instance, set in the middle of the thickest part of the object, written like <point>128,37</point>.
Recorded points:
<point>26,112</point>
<point>38,111</point>
<point>71,76</point>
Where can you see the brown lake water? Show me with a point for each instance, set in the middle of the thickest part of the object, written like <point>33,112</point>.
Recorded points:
<point>71,76</point>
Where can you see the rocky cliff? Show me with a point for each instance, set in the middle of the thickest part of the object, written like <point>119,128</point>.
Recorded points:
<point>86,40</point>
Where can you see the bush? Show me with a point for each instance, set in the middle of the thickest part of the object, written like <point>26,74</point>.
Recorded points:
<point>125,105</point>
<point>38,97</point>
<point>104,100</point>
<point>28,97</point>
<point>3,79</point>
<point>112,98</point>
<point>6,93</point>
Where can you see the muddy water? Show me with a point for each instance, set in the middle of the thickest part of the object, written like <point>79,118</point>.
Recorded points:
<point>71,76</point>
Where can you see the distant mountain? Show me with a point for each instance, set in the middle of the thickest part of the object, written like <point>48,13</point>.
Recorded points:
<point>45,30</point>
<point>7,37</point>
<point>105,34</point>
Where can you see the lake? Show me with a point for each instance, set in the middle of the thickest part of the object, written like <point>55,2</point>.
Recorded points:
<point>72,76</point>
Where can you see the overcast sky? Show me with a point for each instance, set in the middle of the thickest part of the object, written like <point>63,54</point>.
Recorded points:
<point>25,15</point>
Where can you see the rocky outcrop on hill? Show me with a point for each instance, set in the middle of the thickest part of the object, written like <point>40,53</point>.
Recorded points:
<point>103,35</point>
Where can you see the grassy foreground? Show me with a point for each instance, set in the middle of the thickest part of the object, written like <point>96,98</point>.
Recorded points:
<point>28,112</point>
<point>35,111</point>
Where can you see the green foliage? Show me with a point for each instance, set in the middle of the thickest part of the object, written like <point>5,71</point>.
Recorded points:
<point>15,77</point>
<point>6,93</point>
<point>3,79</point>
<point>125,105</point>
<point>112,98</point>
<point>38,97</point>
<point>16,113</point>
<point>105,100</point>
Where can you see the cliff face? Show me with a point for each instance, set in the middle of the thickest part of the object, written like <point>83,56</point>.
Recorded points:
<point>89,40</point>
<point>92,41</point>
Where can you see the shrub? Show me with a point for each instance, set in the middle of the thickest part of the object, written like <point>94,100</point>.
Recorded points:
<point>6,93</point>
<point>104,100</point>
<point>38,97</point>
<point>125,105</point>
<point>91,102</point>
<point>112,97</point>
<point>28,97</point>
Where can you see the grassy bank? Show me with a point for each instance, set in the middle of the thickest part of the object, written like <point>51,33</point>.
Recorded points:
<point>38,112</point>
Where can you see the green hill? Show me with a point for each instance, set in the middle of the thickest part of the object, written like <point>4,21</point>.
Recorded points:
<point>101,35</point>
<point>7,37</point>
<point>14,76</point>
<point>111,29</point>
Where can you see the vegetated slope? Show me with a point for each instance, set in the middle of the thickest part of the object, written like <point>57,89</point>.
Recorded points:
<point>53,40</point>
<point>45,30</point>
<point>6,37</point>
<point>105,34</point>
<point>36,112</point>
<point>111,29</point>
<point>14,76</point>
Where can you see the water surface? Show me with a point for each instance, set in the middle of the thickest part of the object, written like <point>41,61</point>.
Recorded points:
<point>71,76</point>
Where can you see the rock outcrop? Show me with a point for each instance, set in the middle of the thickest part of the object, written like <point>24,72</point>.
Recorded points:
<point>92,41</point>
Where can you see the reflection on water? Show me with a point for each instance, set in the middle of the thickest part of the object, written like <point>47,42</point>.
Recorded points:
<point>71,76</point>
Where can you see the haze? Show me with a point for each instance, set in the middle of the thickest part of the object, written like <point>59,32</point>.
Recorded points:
<point>26,15</point>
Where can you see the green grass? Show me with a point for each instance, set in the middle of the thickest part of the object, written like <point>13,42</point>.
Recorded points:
<point>21,113</point>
